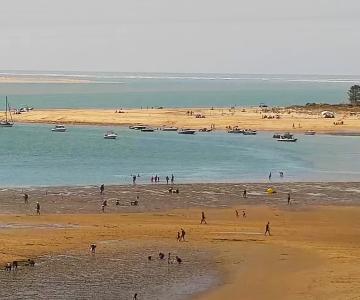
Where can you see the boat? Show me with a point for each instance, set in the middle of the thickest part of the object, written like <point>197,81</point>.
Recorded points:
<point>58,128</point>
<point>137,127</point>
<point>110,135</point>
<point>249,132</point>
<point>147,129</point>
<point>236,130</point>
<point>310,132</point>
<point>276,136</point>
<point>7,122</point>
<point>170,129</point>
<point>205,130</point>
<point>186,131</point>
<point>287,137</point>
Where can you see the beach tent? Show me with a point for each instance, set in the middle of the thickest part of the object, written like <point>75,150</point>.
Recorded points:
<point>327,114</point>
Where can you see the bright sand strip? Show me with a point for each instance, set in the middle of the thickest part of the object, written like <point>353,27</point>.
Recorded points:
<point>251,118</point>
<point>313,253</point>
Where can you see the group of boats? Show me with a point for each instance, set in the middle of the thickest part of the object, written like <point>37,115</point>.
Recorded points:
<point>145,128</point>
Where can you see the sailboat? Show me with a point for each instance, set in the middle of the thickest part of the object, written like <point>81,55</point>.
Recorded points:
<point>7,122</point>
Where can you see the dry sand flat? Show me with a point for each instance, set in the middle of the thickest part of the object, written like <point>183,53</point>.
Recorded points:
<point>313,253</point>
<point>244,118</point>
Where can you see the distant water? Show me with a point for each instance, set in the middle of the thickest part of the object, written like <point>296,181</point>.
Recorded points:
<point>129,90</point>
<point>32,155</point>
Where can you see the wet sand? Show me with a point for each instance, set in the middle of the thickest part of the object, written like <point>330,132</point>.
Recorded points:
<point>312,254</point>
<point>301,118</point>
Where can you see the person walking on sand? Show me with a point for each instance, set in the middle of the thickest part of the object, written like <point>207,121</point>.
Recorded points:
<point>38,208</point>
<point>102,208</point>
<point>182,237</point>
<point>288,199</point>
<point>102,188</point>
<point>244,214</point>
<point>244,193</point>
<point>203,219</point>
<point>267,228</point>
<point>26,198</point>
<point>167,179</point>
<point>236,213</point>
<point>178,236</point>
<point>135,296</point>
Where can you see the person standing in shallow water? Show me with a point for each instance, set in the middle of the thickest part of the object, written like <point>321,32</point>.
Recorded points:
<point>288,199</point>
<point>37,208</point>
<point>167,179</point>
<point>172,178</point>
<point>26,198</point>
<point>102,188</point>
<point>267,228</point>
<point>244,193</point>
<point>270,176</point>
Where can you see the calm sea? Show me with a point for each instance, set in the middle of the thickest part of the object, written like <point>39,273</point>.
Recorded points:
<point>32,155</point>
<point>115,90</point>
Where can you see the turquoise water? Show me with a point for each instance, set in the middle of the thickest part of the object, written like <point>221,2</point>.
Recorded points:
<point>115,90</point>
<point>32,155</point>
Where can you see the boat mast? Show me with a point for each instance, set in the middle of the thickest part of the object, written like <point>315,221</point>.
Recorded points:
<point>6,107</point>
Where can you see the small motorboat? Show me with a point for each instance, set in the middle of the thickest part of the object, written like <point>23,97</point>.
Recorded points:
<point>137,127</point>
<point>287,137</point>
<point>186,131</point>
<point>205,130</point>
<point>110,135</point>
<point>58,128</point>
<point>236,130</point>
<point>147,129</point>
<point>170,129</point>
<point>249,132</point>
<point>310,132</point>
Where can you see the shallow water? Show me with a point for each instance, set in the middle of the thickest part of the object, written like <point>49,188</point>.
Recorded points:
<point>115,90</point>
<point>116,271</point>
<point>32,155</point>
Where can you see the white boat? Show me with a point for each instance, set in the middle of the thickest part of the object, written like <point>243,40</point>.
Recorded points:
<point>170,129</point>
<point>186,131</point>
<point>287,137</point>
<point>7,122</point>
<point>310,132</point>
<point>58,128</point>
<point>236,130</point>
<point>110,135</point>
<point>249,132</point>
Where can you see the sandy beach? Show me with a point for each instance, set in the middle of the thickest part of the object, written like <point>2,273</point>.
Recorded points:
<point>312,253</point>
<point>297,119</point>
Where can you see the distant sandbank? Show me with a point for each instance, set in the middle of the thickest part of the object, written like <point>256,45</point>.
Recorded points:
<point>297,119</point>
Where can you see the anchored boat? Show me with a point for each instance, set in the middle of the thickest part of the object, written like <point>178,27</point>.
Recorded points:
<point>287,137</point>
<point>8,122</point>
<point>58,128</point>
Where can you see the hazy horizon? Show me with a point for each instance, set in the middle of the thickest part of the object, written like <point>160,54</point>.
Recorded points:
<point>165,36</point>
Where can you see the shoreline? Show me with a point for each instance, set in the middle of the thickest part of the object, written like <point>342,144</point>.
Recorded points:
<point>277,119</point>
<point>302,246</point>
